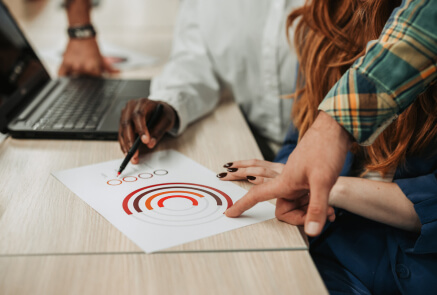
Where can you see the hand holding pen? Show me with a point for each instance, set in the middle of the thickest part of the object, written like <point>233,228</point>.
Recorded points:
<point>150,125</point>
<point>134,122</point>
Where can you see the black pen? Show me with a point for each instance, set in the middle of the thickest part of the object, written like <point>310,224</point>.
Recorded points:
<point>150,123</point>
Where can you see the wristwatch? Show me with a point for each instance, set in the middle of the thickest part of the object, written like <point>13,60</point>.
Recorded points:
<point>81,32</point>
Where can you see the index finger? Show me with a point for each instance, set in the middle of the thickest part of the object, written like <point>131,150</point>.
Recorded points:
<point>258,193</point>
<point>126,133</point>
<point>141,113</point>
<point>252,163</point>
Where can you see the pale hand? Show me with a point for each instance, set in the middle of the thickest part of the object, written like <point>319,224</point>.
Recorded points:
<point>311,171</point>
<point>260,171</point>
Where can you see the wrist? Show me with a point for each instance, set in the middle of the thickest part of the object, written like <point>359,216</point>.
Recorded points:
<point>338,192</point>
<point>81,32</point>
<point>326,125</point>
<point>174,119</point>
<point>175,123</point>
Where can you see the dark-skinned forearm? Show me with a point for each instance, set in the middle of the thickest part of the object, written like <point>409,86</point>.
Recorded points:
<point>78,12</point>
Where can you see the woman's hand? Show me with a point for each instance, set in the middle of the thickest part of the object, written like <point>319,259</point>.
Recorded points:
<point>255,171</point>
<point>133,123</point>
<point>312,168</point>
<point>260,171</point>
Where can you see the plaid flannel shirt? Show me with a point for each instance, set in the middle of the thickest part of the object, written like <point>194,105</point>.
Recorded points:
<point>396,68</point>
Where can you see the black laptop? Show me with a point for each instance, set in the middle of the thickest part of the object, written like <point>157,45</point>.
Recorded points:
<point>32,105</point>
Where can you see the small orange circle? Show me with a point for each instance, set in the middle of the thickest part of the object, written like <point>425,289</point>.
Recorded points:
<point>130,177</point>
<point>118,182</point>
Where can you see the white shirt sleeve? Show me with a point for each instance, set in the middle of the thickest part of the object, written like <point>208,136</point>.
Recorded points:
<point>188,82</point>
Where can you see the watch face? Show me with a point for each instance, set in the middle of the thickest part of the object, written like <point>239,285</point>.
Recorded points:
<point>82,32</point>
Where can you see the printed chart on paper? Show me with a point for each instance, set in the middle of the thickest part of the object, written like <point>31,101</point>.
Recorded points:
<point>166,200</point>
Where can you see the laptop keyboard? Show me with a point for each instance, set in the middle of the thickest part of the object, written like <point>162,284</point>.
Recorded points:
<point>81,105</point>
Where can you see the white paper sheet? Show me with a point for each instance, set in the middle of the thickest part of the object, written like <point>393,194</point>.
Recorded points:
<point>166,200</point>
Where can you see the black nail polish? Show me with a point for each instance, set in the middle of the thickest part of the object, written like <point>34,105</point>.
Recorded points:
<point>232,169</point>
<point>221,175</point>
<point>251,178</point>
<point>227,165</point>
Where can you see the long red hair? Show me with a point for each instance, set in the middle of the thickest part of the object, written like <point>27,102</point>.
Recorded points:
<point>330,35</point>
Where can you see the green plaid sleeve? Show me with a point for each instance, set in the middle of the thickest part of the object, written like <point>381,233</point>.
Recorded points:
<point>396,68</point>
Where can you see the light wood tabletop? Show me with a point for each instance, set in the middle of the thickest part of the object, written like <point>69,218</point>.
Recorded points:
<point>239,273</point>
<point>53,241</point>
<point>43,208</point>
<point>40,215</point>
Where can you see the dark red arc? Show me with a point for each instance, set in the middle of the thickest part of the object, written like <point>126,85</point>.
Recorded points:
<point>161,201</point>
<point>128,197</point>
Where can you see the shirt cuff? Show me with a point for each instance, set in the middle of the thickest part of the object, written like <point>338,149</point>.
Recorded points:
<point>362,107</point>
<point>422,191</point>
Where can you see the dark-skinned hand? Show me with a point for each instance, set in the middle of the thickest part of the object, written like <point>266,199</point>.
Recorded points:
<point>133,123</point>
<point>83,57</point>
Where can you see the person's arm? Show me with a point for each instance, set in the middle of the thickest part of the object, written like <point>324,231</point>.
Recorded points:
<point>188,81</point>
<point>187,86</point>
<point>363,105</point>
<point>396,68</point>
<point>311,170</point>
<point>78,12</point>
<point>383,202</point>
<point>82,55</point>
<point>408,203</point>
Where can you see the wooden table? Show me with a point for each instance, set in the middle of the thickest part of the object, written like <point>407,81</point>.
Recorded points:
<point>51,242</point>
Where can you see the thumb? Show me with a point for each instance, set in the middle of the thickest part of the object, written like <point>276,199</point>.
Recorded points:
<point>317,210</point>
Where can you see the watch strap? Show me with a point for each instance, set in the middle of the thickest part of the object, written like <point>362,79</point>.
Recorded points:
<point>81,32</point>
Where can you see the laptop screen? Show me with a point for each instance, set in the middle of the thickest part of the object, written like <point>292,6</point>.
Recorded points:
<point>20,69</point>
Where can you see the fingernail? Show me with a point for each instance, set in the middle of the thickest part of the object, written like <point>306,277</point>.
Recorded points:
<point>227,165</point>
<point>153,142</point>
<point>312,228</point>
<point>232,169</point>
<point>250,177</point>
<point>144,138</point>
<point>221,175</point>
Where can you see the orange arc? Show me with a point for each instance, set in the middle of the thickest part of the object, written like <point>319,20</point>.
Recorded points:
<point>149,200</point>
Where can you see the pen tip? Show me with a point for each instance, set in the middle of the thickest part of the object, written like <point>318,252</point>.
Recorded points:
<point>118,174</point>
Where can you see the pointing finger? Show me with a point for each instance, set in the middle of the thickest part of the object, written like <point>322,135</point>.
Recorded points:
<point>259,193</point>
